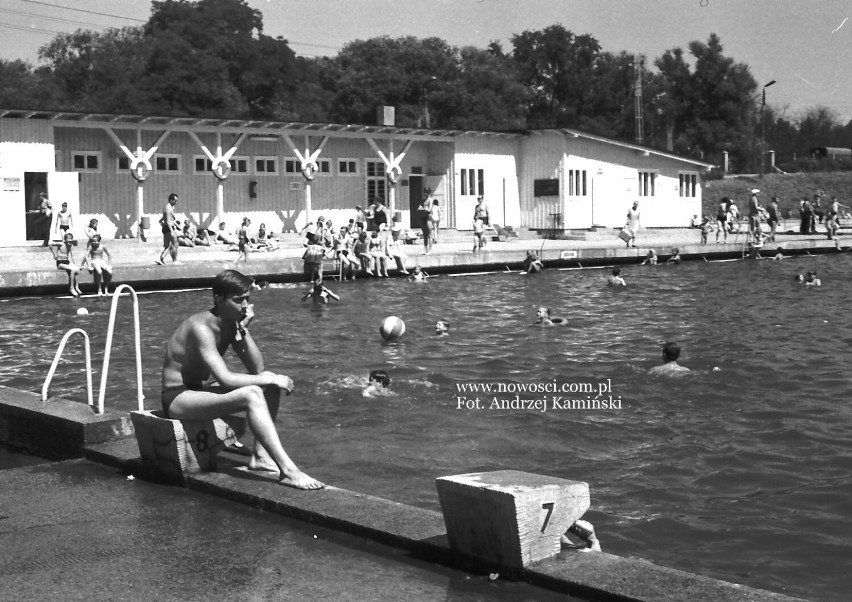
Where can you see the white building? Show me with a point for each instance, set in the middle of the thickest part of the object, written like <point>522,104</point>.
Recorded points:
<point>121,168</point>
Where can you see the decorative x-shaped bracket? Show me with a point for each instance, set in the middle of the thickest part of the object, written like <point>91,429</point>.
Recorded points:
<point>140,161</point>
<point>307,160</point>
<point>220,164</point>
<point>392,168</point>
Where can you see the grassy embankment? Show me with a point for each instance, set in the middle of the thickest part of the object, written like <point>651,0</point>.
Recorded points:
<point>789,189</point>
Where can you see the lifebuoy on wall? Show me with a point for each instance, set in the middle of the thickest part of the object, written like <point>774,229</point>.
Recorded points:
<point>309,169</point>
<point>221,168</point>
<point>393,173</point>
<point>140,169</point>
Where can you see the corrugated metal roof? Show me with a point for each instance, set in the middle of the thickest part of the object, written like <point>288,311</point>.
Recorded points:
<point>260,127</point>
<point>636,147</point>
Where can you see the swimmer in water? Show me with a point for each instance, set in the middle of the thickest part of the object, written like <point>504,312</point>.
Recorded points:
<point>379,382</point>
<point>319,293</point>
<point>779,255</point>
<point>442,328</point>
<point>812,279</point>
<point>651,258</point>
<point>545,319</point>
<point>585,532</point>
<point>616,279</point>
<point>670,367</point>
<point>418,275</point>
<point>675,258</point>
<point>532,263</point>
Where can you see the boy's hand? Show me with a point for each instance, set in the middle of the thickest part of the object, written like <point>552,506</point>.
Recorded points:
<point>248,316</point>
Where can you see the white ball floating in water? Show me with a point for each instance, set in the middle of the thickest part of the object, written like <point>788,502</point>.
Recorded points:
<point>392,328</point>
<point>82,311</point>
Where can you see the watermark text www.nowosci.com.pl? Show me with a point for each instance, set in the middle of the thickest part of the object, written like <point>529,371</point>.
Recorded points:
<point>537,396</point>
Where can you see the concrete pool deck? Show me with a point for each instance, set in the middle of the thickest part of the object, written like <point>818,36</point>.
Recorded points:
<point>26,422</point>
<point>32,270</point>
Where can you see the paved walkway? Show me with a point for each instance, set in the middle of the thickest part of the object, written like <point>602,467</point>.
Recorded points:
<point>29,270</point>
<point>81,531</point>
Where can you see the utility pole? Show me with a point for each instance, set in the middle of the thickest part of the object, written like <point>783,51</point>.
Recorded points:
<point>638,66</point>
<point>763,130</point>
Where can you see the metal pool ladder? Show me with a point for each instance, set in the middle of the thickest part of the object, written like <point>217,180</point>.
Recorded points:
<point>105,372</point>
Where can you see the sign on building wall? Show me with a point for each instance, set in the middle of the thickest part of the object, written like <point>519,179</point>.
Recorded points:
<point>11,184</point>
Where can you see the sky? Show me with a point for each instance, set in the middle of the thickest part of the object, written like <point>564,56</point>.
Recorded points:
<point>805,46</point>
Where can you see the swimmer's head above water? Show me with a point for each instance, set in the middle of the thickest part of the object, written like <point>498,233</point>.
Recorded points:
<point>671,351</point>
<point>442,327</point>
<point>546,319</point>
<point>379,377</point>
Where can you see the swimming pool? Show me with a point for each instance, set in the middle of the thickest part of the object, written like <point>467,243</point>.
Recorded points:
<point>740,474</point>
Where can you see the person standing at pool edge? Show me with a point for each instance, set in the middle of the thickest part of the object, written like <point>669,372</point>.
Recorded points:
<point>170,231</point>
<point>194,354</point>
<point>633,223</point>
<point>480,220</point>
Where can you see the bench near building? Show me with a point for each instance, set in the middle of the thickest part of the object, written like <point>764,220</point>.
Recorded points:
<point>121,168</point>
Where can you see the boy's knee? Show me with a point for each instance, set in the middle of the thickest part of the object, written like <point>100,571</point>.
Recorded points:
<point>253,393</point>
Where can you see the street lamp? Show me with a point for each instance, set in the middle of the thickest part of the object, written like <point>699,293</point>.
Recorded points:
<point>425,104</point>
<point>763,129</point>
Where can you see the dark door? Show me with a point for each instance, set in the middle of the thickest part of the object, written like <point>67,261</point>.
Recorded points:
<point>416,194</point>
<point>34,184</point>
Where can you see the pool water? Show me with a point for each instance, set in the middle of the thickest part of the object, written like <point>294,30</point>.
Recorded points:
<point>738,471</point>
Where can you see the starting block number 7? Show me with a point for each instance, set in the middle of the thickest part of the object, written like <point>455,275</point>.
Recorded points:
<point>549,507</point>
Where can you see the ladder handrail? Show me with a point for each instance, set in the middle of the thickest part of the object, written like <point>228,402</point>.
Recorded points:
<point>107,349</point>
<point>55,363</point>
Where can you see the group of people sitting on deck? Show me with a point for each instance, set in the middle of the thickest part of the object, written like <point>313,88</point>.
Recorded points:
<point>355,248</point>
<point>96,258</point>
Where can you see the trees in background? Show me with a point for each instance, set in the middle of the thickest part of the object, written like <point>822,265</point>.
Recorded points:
<point>210,58</point>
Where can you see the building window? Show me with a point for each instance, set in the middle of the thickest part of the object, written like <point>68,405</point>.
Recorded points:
<point>123,164</point>
<point>266,166</point>
<point>647,181</point>
<point>239,165</point>
<point>167,163</point>
<point>577,182</point>
<point>377,182</point>
<point>472,182</point>
<point>294,166</point>
<point>86,161</point>
<point>689,185</point>
<point>347,167</point>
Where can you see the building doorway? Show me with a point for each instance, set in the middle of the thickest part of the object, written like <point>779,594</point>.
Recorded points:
<point>416,194</point>
<point>37,223</point>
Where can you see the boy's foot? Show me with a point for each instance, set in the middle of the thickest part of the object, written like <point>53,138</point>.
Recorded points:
<point>176,262</point>
<point>301,481</point>
<point>158,261</point>
<point>406,272</point>
<point>74,293</point>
